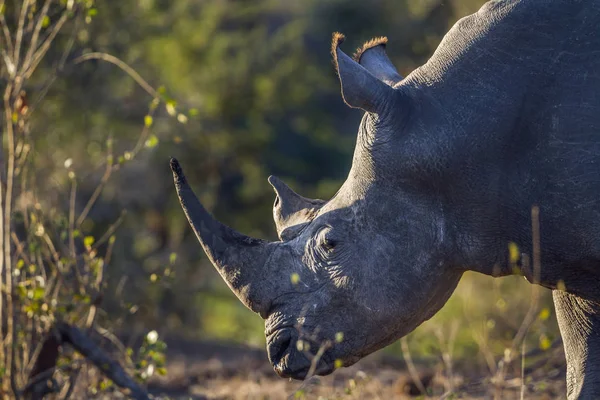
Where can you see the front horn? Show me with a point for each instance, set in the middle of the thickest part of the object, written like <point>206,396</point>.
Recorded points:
<point>240,260</point>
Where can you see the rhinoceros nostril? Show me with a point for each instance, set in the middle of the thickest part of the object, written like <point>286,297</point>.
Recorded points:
<point>278,347</point>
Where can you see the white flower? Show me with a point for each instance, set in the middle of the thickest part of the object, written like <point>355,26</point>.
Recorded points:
<point>68,162</point>
<point>152,337</point>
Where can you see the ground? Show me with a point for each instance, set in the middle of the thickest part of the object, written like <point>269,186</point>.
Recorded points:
<point>207,370</point>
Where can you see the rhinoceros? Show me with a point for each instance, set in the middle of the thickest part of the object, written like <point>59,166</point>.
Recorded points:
<point>449,163</point>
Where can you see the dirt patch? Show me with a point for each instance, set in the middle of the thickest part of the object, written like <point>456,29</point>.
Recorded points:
<point>211,370</point>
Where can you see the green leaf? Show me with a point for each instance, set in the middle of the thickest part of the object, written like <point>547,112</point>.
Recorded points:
<point>172,258</point>
<point>544,314</point>
<point>38,293</point>
<point>21,291</point>
<point>88,241</point>
<point>46,22</point>
<point>92,12</point>
<point>514,254</point>
<point>151,142</point>
<point>294,278</point>
<point>170,107</point>
<point>545,342</point>
<point>148,120</point>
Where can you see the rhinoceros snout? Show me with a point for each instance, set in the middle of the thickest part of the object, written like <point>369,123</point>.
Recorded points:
<point>291,362</point>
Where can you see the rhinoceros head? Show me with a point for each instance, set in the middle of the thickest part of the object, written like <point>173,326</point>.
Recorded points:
<point>352,274</point>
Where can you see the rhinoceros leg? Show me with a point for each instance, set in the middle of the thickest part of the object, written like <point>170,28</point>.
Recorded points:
<point>579,323</point>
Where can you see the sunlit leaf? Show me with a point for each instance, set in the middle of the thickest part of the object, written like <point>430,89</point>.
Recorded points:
<point>295,278</point>
<point>151,142</point>
<point>38,293</point>
<point>544,314</point>
<point>148,120</point>
<point>170,107</point>
<point>88,241</point>
<point>545,342</point>
<point>514,254</point>
<point>182,118</point>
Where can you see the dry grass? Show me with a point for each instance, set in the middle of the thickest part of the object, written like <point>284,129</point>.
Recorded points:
<point>209,371</point>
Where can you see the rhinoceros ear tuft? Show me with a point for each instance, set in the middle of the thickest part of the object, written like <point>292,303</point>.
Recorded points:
<point>360,88</point>
<point>373,58</point>
<point>378,41</point>
<point>336,40</point>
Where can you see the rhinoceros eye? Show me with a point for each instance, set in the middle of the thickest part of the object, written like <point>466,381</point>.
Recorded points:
<point>326,240</point>
<point>329,244</point>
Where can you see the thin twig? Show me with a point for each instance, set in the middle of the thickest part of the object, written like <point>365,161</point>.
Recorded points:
<point>19,33</point>
<point>72,248</point>
<point>36,34</point>
<point>8,111</point>
<point>313,367</point>
<point>6,31</point>
<point>533,304</point>
<point>411,366</point>
<point>121,64</point>
<point>41,52</point>
<point>95,195</point>
<point>523,370</point>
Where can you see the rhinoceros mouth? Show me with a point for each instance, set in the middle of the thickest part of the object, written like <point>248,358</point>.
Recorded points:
<point>288,361</point>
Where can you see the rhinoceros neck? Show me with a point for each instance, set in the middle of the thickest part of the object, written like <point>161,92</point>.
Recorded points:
<point>508,112</point>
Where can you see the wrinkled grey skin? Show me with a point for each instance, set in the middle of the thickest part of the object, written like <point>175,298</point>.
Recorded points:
<point>448,164</point>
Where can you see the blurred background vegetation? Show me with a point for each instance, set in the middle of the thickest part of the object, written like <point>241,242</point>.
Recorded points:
<point>251,92</point>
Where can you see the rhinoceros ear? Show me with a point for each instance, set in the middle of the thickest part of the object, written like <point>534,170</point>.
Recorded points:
<point>373,58</point>
<point>291,212</point>
<point>360,88</point>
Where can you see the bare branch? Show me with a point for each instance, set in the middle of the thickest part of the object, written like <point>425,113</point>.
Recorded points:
<point>111,368</point>
<point>36,34</point>
<point>7,36</point>
<point>19,33</point>
<point>41,52</point>
<point>121,64</point>
<point>95,195</point>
